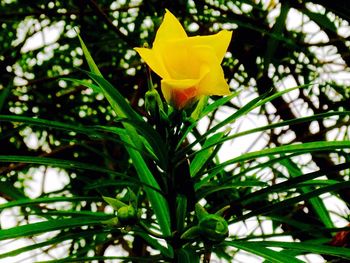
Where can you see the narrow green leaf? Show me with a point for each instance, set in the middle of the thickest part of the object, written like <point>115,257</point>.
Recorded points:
<point>124,110</point>
<point>291,201</point>
<point>294,148</point>
<point>115,203</point>
<point>280,124</point>
<point>55,240</point>
<point>245,109</point>
<point>202,157</point>
<point>208,189</point>
<point>69,164</point>
<point>218,103</point>
<point>321,19</point>
<point>168,252</point>
<point>7,188</point>
<point>47,226</point>
<point>28,202</point>
<point>307,247</point>
<point>181,210</point>
<point>253,104</point>
<point>50,124</point>
<point>316,203</point>
<point>187,255</point>
<point>291,183</point>
<point>104,259</point>
<point>207,110</point>
<point>93,67</point>
<point>279,94</point>
<point>257,249</point>
<point>152,138</point>
<point>115,99</point>
<point>158,202</point>
<point>277,29</point>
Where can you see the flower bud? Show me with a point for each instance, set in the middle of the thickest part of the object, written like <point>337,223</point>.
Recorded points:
<point>213,228</point>
<point>153,101</point>
<point>127,215</point>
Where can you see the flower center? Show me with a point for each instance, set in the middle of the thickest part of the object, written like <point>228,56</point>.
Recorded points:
<point>182,97</point>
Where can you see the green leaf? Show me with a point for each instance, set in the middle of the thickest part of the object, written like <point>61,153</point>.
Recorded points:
<point>181,210</point>
<point>187,255</point>
<point>284,149</point>
<point>277,29</point>
<point>253,104</point>
<point>201,158</point>
<point>273,126</point>
<point>29,202</point>
<point>166,251</point>
<point>191,233</point>
<point>307,247</point>
<point>316,203</point>
<point>275,95</point>
<point>286,185</point>
<point>124,110</point>
<point>69,164</point>
<point>93,67</point>
<point>257,249</point>
<point>55,240</point>
<point>104,259</point>
<point>245,109</point>
<point>204,190</point>
<point>218,103</point>
<point>291,201</point>
<point>158,201</point>
<point>47,226</point>
<point>115,203</point>
<point>321,19</point>
<point>7,188</point>
<point>152,137</point>
<point>52,124</point>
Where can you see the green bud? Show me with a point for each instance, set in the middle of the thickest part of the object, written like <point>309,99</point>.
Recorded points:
<point>112,222</point>
<point>153,101</point>
<point>115,203</point>
<point>200,212</point>
<point>213,228</point>
<point>127,215</point>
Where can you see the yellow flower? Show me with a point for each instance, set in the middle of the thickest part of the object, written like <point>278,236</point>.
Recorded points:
<point>189,66</point>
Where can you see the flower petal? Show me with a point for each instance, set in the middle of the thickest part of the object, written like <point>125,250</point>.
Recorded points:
<point>178,60</point>
<point>153,60</point>
<point>169,29</point>
<point>214,83</point>
<point>213,80</point>
<point>219,42</point>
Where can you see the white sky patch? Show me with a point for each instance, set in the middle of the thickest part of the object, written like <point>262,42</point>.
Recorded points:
<point>44,37</point>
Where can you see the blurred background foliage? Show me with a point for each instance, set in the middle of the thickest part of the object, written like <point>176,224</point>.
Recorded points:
<point>276,45</point>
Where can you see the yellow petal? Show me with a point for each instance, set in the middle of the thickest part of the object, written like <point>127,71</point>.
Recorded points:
<point>169,29</point>
<point>212,81</point>
<point>178,60</point>
<point>153,60</point>
<point>219,42</point>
